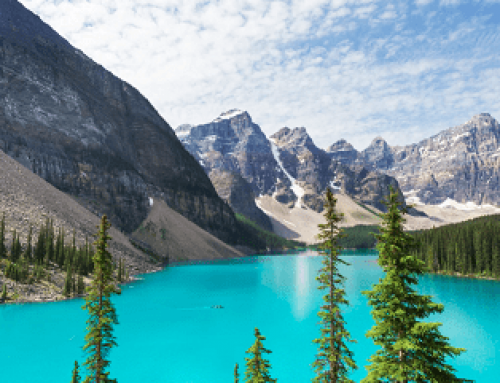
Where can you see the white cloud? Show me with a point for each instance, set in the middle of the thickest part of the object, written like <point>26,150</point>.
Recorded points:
<point>341,68</point>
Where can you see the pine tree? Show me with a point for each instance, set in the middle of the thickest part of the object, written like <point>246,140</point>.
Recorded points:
<point>80,289</point>
<point>412,350</point>
<point>68,282</point>
<point>40,246</point>
<point>102,315</point>
<point>334,359</point>
<point>29,249</point>
<point>4,292</point>
<point>76,375</point>
<point>3,248</point>
<point>120,270</point>
<point>257,367</point>
<point>236,375</point>
<point>15,250</point>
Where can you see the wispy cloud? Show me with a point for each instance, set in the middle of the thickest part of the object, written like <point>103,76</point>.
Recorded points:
<point>341,68</point>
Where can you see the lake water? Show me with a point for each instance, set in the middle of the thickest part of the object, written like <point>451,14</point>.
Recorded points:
<point>169,333</point>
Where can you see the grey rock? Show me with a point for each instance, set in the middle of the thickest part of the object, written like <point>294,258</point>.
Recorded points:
<point>234,143</point>
<point>461,163</point>
<point>92,135</point>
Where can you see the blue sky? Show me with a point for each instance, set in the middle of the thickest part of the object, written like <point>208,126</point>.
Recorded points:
<point>403,70</point>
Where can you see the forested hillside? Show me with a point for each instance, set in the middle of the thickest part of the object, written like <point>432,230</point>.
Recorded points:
<point>470,247</point>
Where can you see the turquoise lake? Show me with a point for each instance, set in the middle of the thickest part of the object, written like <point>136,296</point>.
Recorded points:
<point>169,333</point>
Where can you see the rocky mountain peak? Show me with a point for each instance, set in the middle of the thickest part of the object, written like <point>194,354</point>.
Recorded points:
<point>294,138</point>
<point>342,151</point>
<point>232,114</point>
<point>378,142</point>
<point>24,26</point>
<point>341,144</point>
<point>378,153</point>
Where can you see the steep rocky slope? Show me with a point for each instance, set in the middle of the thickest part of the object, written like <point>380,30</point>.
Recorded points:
<point>92,135</point>
<point>27,199</point>
<point>171,235</point>
<point>238,193</point>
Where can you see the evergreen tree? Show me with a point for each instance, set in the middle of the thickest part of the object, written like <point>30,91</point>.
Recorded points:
<point>3,248</point>
<point>120,270</point>
<point>29,250</point>
<point>76,374</point>
<point>15,250</point>
<point>80,289</point>
<point>40,246</point>
<point>334,359</point>
<point>257,367</point>
<point>4,292</point>
<point>68,282</point>
<point>236,375</point>
<point>412,350</point>
<point>102,315</point>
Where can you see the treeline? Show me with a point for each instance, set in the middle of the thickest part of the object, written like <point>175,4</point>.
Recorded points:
<point>470,247</point>
<point>357,237</point>
<point>31,263</point>
<point>260,239</point>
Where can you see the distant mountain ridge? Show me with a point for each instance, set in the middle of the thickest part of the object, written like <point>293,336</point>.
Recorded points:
<point>288,166</point>
<point>460,163</point>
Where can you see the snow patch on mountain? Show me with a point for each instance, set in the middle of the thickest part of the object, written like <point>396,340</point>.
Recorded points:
<point>229,114</point>
<point>468,206</point>
<point>333,186</point>
<point>296,188</point>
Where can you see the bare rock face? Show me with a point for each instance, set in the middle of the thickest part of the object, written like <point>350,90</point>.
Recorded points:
<point>92,135</point>
<point>238,193</point>
<point>288,166</point>
<point>461,163</point>
<point>315,169</point>
<point>233,142</point>
<point>343,152</point>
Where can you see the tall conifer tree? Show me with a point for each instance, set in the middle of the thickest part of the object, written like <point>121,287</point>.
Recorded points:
<point>236,375</point>
<point>334,359</point>
<point>3,248</point>
<point>29,249</point>
<point>412,350</point>
<point>257,367</point>
<point>102,315</point>
<point>76,374</point>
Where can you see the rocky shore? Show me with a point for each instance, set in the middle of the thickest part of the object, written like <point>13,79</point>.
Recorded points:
<point>50,288</point>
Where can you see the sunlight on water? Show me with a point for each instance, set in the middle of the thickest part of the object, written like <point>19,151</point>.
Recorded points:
<point>169,332</point>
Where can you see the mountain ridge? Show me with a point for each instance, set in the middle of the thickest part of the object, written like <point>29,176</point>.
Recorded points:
<point>92,135</point>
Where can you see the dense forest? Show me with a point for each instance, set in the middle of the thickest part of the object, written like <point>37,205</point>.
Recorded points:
<point>470,247</point>
<point>31,263</point>
<point>260,239</point>
<point>357,237</point>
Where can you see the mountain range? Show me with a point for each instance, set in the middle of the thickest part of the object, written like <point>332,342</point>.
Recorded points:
<point>460,163</point>
<point>95,138</point>
<point>456,168</point>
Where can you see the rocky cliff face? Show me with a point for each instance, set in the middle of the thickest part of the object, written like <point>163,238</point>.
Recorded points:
<point>238,193</point>
<point>92,135</point>
<point>314,170</point>
<point>289,167</point>
<point>460,163</point>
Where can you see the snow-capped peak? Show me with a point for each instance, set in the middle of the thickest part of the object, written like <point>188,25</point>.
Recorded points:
<point>229,114</point>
